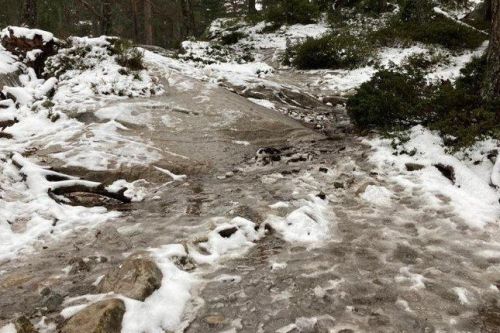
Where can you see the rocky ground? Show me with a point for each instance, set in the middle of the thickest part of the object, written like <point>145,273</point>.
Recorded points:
<point>254,218</point>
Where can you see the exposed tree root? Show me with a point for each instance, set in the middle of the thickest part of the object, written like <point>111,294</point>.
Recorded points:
<point>56,184</point>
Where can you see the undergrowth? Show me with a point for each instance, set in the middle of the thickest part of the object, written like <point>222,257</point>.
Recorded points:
<point>398,98</point>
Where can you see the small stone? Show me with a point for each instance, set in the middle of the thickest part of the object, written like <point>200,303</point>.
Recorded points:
<point>78,265</point>
<point>226,233</point>
<point>338,185</point>
<point>23,325</point>
<point>101,317</point>
<point>324,324</point>
<point>414,166</point>
<point>108,236</point>
<point>446,170</point>
<point>405,254</point>
<point>136,278</point>
<point>52,301</point>
<point>321,195</point>
<point>323,169</point>
<point>215,319</point>
<point>45,291</point>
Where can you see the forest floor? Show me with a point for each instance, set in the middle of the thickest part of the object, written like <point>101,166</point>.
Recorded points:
<point>253,194</point>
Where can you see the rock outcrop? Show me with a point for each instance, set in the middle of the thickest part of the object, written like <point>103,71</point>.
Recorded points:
<point>136,278</point>
<point>101,317</point>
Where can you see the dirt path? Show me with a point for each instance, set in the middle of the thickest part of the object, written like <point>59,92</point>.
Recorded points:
<point>394,266</point>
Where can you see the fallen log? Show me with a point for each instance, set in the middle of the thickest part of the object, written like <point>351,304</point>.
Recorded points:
<point>45,181</point>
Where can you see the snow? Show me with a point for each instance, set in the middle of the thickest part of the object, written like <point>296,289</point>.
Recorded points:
<point>377,195</point>
<point>495,173</point>
<point>462,295</point>
<point>238,74</point>
<point>263,102</point>
<point>343,81</point>
<point>217,246</point>
<point>174,177</point>
<point>8,62</point>
<point>29,217</point>
<point>22,32</point>
<point>311,223</point>
<point>10,328</point>
<point>471,196</point>
<point>97,74</point>
<point>164,309</point>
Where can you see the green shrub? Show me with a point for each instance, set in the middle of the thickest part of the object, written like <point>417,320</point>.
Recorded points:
<point>417,11</point>
<point>330,51</point>
<point>292,12</point>
<point>389,100</point>
<point>425,61</point>
<point>461,113</point>
<point>231,38</point>
<point>399,98</point>
<point>418,22</point>
<point>132,59</point>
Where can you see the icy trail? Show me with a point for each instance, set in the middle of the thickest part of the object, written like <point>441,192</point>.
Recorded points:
<point>331,232</point>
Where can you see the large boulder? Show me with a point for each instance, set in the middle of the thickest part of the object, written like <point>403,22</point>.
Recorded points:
<point>33,46</point>
<point>101,317</point>
<point>136,278</point>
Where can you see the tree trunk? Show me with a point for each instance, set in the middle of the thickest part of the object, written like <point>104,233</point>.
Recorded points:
<point>107,17</point>
<point>30,13</point>
<point>382,5</point>
<point>135,18</point>
<point>148,25</point>
<point>487,14</point>
<point>188,20</point>
<point>491,87</point>
<point>251,7</point>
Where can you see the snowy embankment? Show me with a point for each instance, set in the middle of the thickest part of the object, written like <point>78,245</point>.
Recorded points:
<point>468,182</point>
<point>34,117</point>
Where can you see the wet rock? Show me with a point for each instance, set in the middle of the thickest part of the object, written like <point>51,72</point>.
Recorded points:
<point>79,265</point>
<point>268,155</point>
<point>414,166</point>
<point>323,169</point>
<point>321,195</point>
<point>338,185</point>
<point>334,100</point>
<point>51,301</point>
<point>489,318</point>
<point>108,236</point>
<point>136,278</point>
<point>102,317</point>
<point>23,325</point>
<point>446,170</point>
<point>492,155</point>
<point>405,254</point>
<point>324,325</point>
<point>214,320</point>
<point>185,263</point>
<point>248,213</point>
<point>226,233</point>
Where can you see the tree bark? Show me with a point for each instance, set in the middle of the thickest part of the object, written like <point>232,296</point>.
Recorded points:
<point>491,89</point>
<point>135,18</point>
<point>148,25</point>
<point>251,7</point>
<point>30,13</point>
<point>382,5</point>
<point>188,18</point>
<point>107,17</point>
